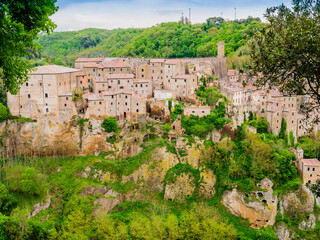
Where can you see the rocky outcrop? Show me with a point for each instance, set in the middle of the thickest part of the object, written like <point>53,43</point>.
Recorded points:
<point>44,138</point>
<point>107,198</point>
<point>40,206</point>
<point>283,232</point>
<point>182,188</point>
<point>260,208</point>
<point>301,201</point>
<point>309,222</point>
<point>208,179</point>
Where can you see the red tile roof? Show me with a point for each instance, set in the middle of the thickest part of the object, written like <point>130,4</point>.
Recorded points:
<point>311,162</point>
<point>157,60</point>
<point>172,61</point>
<point>52,69</point>
<point>116,65</point>
<point>183,76</point>
<point>120,76</point>
<point>89,60</point>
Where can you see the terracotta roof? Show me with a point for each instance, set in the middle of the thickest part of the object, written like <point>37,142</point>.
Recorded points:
<point>124,76</point>
<point>81,74</point>
<point>172,61</point>
<point>116,65</point>
<point>142,81</point>
<point>183,76</point>
<point>92,96</point>
<point>92,65</point>
<point>157,60</point>
<point>230,89</point>
<point>311,162</point>
<point>65,94</point>
<point>89,59</point>
<point>52,69</point>
<point>233,72</point>
<point>117,92</point>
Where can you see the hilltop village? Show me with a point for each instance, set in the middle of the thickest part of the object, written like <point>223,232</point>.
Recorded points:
<point>132,90</point>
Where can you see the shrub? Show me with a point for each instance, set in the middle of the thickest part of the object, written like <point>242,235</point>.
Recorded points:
<point>33,183</point>
<point>110,124</point>
<point>4,112</point>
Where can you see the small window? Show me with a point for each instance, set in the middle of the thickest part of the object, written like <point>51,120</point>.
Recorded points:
<point>310,175</point>
<point>100,103</point>
<point>137,110</point>
<point>27,84</point>
<point>47,109</point>
<point>126,96</point>
<point>308,169</point>
<point>121,69</point>
<point>41,84</point>
<point>46,95</point>
<point>118,81</point>
<point>126,103</point>
<point>137,104</point>
<point>65,105</point>
<point>29,96</point>
<point>313,169</point>
<point>94,69</point>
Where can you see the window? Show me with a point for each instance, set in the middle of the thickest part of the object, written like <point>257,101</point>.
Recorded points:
<point>67,98</point>
<point>278,115</point>
<point>310,175</point>
<point>110,69</point>
<point>46,95</point>
<point>114,69</point>
<point>313,169</point>
<point>142,75</point>
<point>126,103</point>
<point>126,96</point>
<point>185,80</point>
<point>41,84</point>
<point>284,99</point>
<point>112,97</point>
<point>262,110</point>
<point>111,103</point>
<point>27,84</point>
<point>99,75</point>
<point>98,109</point>
<point>127,69</point>
<point>118,81</point>
<point>121,69</point>
<point>100,103</point>
<point>47,109</point>
<point>137,104</point>
<point>80,82</point>
<point>137,110</point>
<point>102,69</point>
<point>65,105</point>
<point>94,69</point>
<point>21,106</point>
<point>29,96</point>
<point>142,70</point>
<point>308,169</point>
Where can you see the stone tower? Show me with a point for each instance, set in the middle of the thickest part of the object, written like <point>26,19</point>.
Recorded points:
<point>220,49</point>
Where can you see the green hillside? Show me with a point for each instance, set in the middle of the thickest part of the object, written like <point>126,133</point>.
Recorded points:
<point>167,40</point>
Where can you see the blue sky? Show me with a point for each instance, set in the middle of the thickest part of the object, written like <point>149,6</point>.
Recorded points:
<point>110,14</point>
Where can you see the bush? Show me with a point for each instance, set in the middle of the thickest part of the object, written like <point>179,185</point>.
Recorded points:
<point>4,112</point>
<point>33,183</point>
<point>110,124</point>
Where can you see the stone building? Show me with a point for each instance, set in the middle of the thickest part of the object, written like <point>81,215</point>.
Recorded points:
<point>200,111</point>
<point>184,86</point>
<point>143,88</point>
<point>309,169</point>
<point>81,61</point>
<point>47,85</point>
<point>119,104</point>
<point>113,82</point>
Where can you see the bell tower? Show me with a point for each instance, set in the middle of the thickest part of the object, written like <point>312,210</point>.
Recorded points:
<point>221,49</point>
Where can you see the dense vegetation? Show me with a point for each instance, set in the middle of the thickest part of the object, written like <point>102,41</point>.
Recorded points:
<point>167,40</point>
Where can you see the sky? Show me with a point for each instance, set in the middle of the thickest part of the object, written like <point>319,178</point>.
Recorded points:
<point>110,14</point>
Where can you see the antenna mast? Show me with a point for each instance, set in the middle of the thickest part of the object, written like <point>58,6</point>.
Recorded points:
<point>190,15</point>
<point>235,13</point>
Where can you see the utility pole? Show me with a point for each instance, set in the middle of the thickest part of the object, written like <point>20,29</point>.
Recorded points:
<point>189,15</point>
<point>235,13</point>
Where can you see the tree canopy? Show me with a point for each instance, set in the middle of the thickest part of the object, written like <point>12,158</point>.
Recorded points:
<point>20,23</point>
<point>286,50</point>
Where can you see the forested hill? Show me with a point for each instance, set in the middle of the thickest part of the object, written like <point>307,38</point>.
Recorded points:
<point>166,40</point>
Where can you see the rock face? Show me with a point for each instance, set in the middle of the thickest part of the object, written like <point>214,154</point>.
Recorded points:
<point>310,222</point>
<point>283,232</point>
<point>40,207</point>
<point>182,188</point>
<point>208,181</point>
<point>107,200</point>
<point>301,201</point>
<point>44,138</point>
<point>260,208</point>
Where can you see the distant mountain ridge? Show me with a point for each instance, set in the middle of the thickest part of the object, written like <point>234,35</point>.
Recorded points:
<point>165,40</point>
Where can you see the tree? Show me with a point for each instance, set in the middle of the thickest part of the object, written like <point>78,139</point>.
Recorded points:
<point>283,129</point>
<point>291,138</point>
<point>315,188</point>
<point>33,183</point>
<point>4,112</point>
<point>20,23</point>
<point>110,124</point>
<point>286,50</point>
